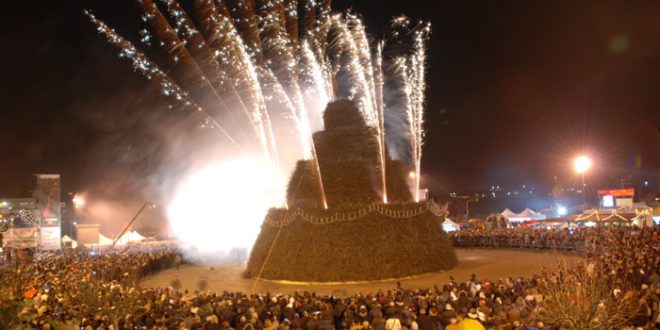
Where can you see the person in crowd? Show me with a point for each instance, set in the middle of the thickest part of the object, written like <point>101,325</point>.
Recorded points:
<point>471,322</point>
<point>98,290</point>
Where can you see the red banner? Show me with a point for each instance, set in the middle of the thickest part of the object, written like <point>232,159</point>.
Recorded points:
<point>629,192</point>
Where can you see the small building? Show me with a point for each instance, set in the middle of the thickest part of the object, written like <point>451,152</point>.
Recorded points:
<point>88,234</point>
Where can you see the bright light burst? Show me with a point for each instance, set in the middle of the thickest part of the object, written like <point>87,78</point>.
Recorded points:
<point>78,201</point>
<point>221,206</point>
<point>582,164</point>
<point>244,67</point>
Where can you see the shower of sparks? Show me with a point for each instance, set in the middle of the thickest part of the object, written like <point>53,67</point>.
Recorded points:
<point>247,63</point>
<point>380,112</point>
<point>413,71</point>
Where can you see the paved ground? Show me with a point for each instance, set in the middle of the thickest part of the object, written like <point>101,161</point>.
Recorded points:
<point>494,263</point>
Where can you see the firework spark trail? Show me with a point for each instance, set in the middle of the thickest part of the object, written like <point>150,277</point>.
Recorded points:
<point>271,82</point>
<point>380,111</point>
<point>261,60</point>
<point>318,79</point>
<point>151,71</point>
<point>250,75</point>
<point>413,71</point>
<point>364,55</point>
<point>403,68</point>
<point>302,124</point>
<point>226,37</point>
<point>362,69</point>
<point>419,67</point>
<point>202,53</point>
<point>374,80</point>
<point>306,133</point>
<point>282,52</point>
<point>191,69</point>
<point>187,69</point>
<point>360,90</point>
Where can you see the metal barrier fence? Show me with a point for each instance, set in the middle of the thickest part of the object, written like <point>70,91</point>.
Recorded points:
<point>525,243</point>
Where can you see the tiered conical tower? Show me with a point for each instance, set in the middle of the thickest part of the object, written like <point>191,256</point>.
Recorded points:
<point>358,238</point>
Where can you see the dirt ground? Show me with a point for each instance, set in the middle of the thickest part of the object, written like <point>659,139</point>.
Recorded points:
<point>485,263</point>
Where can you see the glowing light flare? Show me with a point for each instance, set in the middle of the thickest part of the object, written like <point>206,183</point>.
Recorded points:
<point>78,201</point>
<point>582,164</point>
<point>221,207</point>
<point>562,210</point>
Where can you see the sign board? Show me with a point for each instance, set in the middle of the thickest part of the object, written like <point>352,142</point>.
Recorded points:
<point>629,192</point>
<point>608,201</point>
<point>47,194</point>
<point>21,237</point>
<point>624,202</point>
<point>50,238</point>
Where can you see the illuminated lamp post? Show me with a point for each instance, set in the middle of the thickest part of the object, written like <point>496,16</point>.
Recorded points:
<point>582,164</point>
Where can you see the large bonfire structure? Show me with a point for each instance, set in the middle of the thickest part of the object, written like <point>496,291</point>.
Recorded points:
<point>261,75</point>
<point>358,237</point>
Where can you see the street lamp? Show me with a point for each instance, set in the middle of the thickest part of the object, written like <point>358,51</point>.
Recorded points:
<point>582,164</point>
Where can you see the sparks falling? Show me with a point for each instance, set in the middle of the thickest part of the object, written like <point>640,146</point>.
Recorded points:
<point>243,64</point>
<point>413,73</point>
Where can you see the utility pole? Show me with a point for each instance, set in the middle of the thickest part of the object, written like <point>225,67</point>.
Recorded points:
<point>130,223</point>
<point>584,192</point>
<point>467,200</point>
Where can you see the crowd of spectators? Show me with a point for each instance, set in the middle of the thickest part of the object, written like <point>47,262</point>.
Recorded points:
<point>85,289</point>
<point>524,238</point>
<point>629,253</point>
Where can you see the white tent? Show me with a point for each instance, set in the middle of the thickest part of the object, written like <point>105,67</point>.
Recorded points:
<point>103,240</point>
<point>128,237</point>
<point>67,240</point>
<point>532,214</point>
<point>449,225</point>
<point>526,215</point>
<point>507,213</point>
<point>134,236</point>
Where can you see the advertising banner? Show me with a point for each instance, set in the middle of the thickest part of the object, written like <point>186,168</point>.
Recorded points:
<point>21,237</point>
<point>50,238</point>
<point>629,192</point>
<point>48,199</point>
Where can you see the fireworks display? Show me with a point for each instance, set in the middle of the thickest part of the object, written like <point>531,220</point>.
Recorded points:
<point>412,70</point>
<point>261,74</point>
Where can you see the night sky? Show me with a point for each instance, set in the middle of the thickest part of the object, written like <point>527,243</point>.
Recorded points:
<point>516,89</point>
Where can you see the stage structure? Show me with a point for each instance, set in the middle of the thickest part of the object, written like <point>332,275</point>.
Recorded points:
<point>34,222</point>
<point>21,218</point>
<point>358,237</point>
